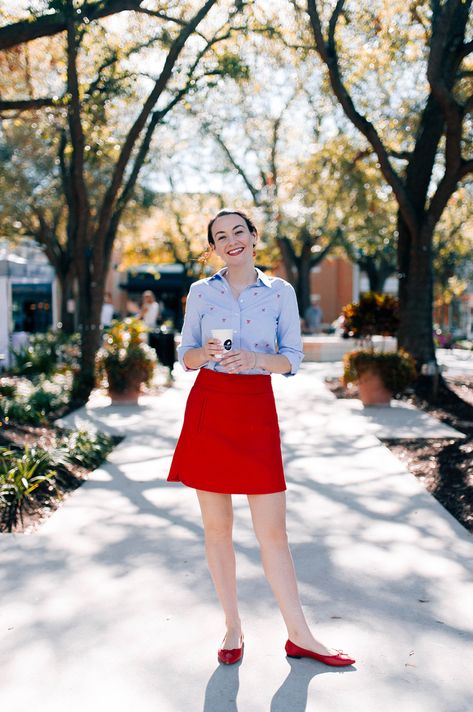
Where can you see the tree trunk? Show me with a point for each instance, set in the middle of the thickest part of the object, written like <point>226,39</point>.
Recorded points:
<point>91,293</point>
<point>369,266</point>
<point>416,292</point>
<point>66,282</point>
<point>289,259</point>
<point>303,281</point>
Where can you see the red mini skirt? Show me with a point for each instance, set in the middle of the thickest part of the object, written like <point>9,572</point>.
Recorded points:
<point>230,441</point>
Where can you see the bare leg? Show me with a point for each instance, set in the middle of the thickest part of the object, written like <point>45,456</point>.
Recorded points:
<point>268,512</point>
<point>217,518</point>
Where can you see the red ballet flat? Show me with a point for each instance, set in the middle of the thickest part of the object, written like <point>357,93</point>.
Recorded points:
<point>230,657</point>
<point>339,660</point>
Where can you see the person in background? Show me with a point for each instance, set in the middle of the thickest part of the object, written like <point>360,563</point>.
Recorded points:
<point>107,312</point>
<point>149,311</point>
<point>313,315</point>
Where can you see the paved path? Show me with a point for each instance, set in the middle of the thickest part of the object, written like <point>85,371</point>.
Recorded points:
<point>109,605</point>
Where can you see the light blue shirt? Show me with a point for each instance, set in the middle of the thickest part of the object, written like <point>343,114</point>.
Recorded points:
<point>264,318</point>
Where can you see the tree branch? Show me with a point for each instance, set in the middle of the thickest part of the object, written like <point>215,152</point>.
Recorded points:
<point>439,67</point>
<point>468,105</point>
<point>317,257</point>
<point>465,168</point>
<point>47,25</point>
<point>442,67</point>
<point>328,54</point>
<point>79,203</point>
<point>288,252</point>
<point>161,16</point>
<point>401,155</point>
<point>65,173</point>
<point>108,203</point>
<point>466,49</point>
<point>28,104</point>
<point>157,117</point>
<point>255,193</point>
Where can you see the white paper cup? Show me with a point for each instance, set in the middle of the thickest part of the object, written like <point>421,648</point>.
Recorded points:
<point>225,336</point>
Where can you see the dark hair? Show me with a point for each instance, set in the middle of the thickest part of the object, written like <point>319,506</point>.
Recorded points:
<point>227,211</point>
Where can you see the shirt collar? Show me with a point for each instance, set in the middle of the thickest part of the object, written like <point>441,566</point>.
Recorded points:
<point>262,277</point>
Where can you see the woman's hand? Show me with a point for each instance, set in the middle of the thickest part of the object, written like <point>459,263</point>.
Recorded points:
<point>212,350</point>
<point>237,361</point>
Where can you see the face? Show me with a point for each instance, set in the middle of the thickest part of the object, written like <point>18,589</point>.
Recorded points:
<point>233,240</point>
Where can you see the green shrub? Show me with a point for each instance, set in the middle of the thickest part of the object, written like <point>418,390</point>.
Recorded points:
<point>34,404</point>
<point>46,353</point>
<point>85,447</point>
<point>396,369</point>
<point>21,476</point>
<point>28,478</point>
<point>7,389</point>
<point>124,358</point>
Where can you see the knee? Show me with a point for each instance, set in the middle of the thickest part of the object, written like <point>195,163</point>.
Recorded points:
<point>274,537</point>
<point>217,532</point>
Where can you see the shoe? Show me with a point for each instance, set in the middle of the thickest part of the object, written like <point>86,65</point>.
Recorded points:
<point>230,657</point>
<point>339,660</point>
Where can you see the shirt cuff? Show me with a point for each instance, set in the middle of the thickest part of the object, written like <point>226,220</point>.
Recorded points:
<point>180,355</point>
<point>294,358</point>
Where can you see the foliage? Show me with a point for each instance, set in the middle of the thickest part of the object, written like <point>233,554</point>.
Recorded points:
<point>46,353</point>
<point>87,448</point>
<point>7,389</point>
<point>32,477</point>
<point>124,358</point>
<point>21,476</point>
<point>376,314</point>
<point>174,231</point>
<point>396,369</point>
<point>423,146</point>
<point>373,314</point>
<point>35,403</point>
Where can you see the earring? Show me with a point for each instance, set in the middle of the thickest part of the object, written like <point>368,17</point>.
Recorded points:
<point>254,251</point>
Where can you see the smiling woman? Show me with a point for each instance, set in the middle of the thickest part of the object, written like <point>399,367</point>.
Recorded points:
<point>230,442</point>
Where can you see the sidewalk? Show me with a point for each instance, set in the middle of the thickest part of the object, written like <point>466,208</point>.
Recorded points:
<point>109,606</point>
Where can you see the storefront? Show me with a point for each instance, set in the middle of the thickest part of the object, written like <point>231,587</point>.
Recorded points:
<point>28,300</point>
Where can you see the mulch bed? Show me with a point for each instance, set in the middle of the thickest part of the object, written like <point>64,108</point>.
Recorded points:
<point>444,466</point>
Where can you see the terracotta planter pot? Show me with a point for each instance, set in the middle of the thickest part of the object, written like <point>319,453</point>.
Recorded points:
<point>373,391</point>
<point>126,397</point>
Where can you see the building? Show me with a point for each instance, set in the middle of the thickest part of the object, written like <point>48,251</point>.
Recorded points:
<point>28,295</point>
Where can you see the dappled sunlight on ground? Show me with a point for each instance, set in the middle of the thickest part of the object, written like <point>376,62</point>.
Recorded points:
<point>384,573</point>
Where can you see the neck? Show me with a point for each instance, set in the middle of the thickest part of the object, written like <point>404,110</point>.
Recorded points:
<point>241,275</point>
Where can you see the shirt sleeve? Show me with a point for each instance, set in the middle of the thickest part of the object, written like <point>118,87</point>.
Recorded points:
<point>191,335</point>
<point>289,329</point>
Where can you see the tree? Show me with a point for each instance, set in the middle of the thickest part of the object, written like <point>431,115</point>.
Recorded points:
<point>453,248</point>
<point>55,20</point>
<point>174,231</point>
<point>93,216</point>
<point>259,143</point>
<point>433,126</point>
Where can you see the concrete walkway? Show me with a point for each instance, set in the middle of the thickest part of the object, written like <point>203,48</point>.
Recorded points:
<point>109,605</point>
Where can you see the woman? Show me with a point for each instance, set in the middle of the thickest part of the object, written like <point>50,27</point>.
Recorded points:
<point>231,415</point>
<point>149,311</point>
